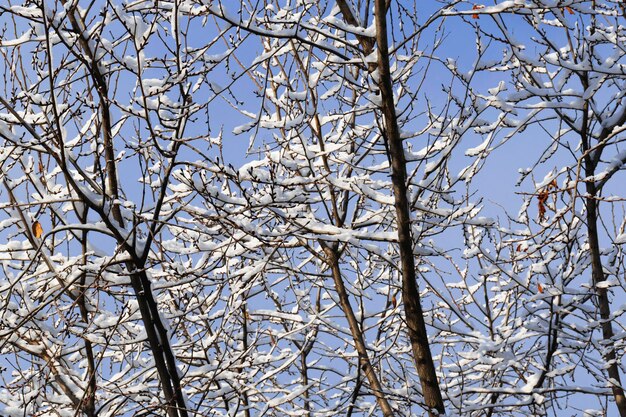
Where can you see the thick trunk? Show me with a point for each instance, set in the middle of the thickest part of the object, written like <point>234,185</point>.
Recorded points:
<point>410,294</point>
<point>590,160</point>
<point>598,276</point>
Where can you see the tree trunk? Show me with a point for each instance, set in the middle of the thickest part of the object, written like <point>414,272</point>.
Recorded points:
<point>158,339</point>
<point>590,160</point>
<point>410,294</point>
<point>598,276</point>
<point>332,258</point>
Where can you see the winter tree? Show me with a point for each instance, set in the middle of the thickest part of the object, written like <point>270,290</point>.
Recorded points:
<point>543,294</point>
<point>274,208</point>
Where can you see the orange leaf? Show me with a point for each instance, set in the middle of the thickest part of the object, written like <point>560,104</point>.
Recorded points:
<point>569,10</point>
<point>542,198</point>
<point>476,7</point>
<point>540,288</point>
<point>37,229</point>
<point>394,301</point>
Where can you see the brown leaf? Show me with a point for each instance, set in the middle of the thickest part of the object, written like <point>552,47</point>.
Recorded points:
<point>40,166</point>
<point>542,198</point>
<point>569,10</point>
<point>476,7</point>
<point>394,301</point>
<point>37,229</point>
<point>540,288</point>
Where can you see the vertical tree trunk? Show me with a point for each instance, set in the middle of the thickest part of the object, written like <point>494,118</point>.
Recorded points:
<point>590,160</point>
<point>598,276</point>
<point>410,294</point>
<point>158,339</point>
<point>357,335</point>
<point>89,398</point>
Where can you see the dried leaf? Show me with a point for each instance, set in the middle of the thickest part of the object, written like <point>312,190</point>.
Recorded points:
<point>37,229</point>
<point>40,166</point>
<point>569,10</point>
<point>542,198</point>
<point>476,7</point>
<point>540,288</point>
<point>394,301</point>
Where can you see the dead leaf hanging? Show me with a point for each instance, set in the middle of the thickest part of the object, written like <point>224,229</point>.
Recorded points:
<point>476,7</point>
<point>37,229</point>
